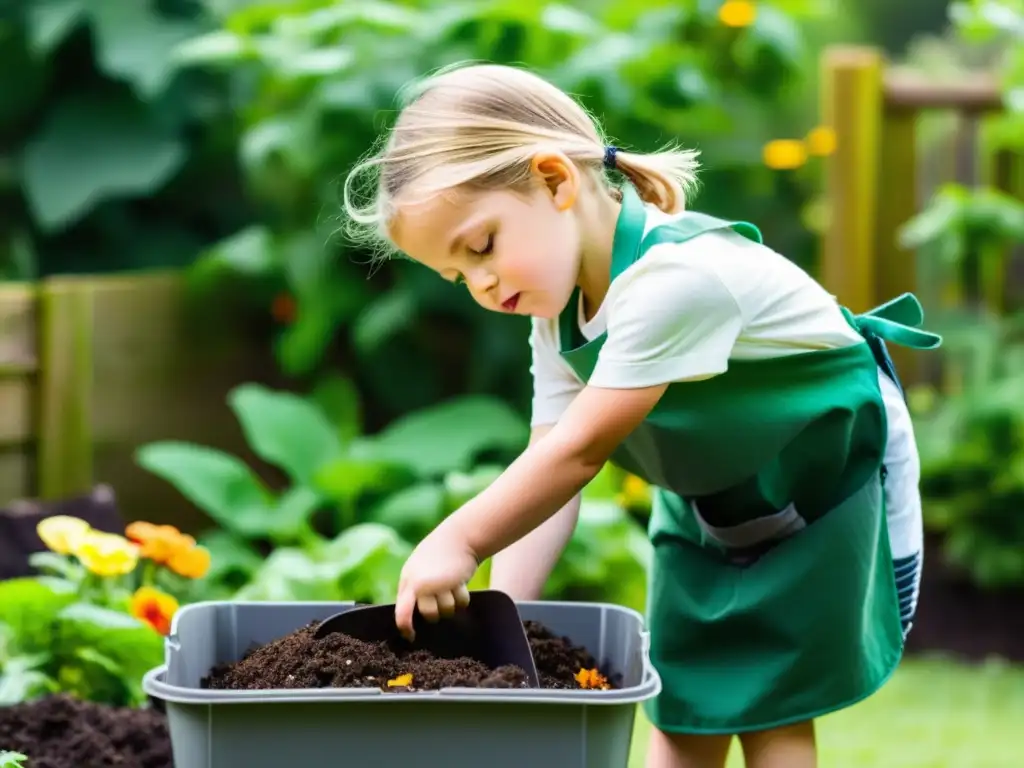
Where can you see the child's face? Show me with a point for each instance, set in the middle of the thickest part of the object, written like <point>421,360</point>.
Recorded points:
<point>515,253</point>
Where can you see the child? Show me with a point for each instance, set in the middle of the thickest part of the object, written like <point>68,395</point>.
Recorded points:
<point>768,418</point>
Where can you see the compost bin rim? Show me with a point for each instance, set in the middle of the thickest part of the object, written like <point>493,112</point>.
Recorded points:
<point>153,684</point>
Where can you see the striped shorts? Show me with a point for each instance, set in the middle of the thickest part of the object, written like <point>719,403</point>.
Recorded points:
<point>903,501</point>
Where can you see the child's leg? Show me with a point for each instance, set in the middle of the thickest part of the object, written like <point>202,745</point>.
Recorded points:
<point>675,750</point>
<point>791,746</point>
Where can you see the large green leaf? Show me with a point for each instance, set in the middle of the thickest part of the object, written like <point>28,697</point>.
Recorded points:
<point>220,484</point>
<point>231,556</point>
<point>461,487</point>
<point>30,606</point>
<point>132,645</point>
<point>91,148</point>
<point>450,436</point>
<point>338,398</point>
<point>292,574</point>
<point>412,512</point>
<point>120,27</point>
<point>285,429</point>
<point>49,22</point>
<point>347,552</point>
<point>385,317</point>
<point>23,679</point>
<point>346,479</point>
<point>366,561</point>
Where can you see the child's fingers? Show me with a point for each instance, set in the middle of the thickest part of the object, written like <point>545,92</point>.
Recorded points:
<point>446,603</point>
<point>405,605</point>
<point>427,605</point>
<point>462,596</point>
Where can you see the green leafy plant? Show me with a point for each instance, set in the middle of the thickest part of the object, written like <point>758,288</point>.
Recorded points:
<point>972,456</point>
<point>12,759</point>
<point>52,640</point>
<point>352,505</point>
<point>340,528</point>
<point>91,624</point>
<point>318,77</point>
<point>971,437</point>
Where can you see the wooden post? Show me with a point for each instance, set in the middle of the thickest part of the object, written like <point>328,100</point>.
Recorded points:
<point>851,102</point>
<point>17,389</point>
<point>64,451</point>
<point>897,201</point>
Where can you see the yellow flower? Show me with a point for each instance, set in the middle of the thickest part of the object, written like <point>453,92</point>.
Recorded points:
<point>107,554</point>
<point>821,141</point>
<point>192,563</point>
<point>785,154</point>
<point>62,533</point>
<point>154,607</point>
<point>737,13</point>
<point>402,681</point>
<point>635,492</point>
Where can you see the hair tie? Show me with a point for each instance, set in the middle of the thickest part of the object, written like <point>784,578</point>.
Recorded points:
<point>609,157</point>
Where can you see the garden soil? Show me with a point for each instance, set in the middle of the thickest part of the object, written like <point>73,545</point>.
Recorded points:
<point>300,660</point>
<point>62,732</point>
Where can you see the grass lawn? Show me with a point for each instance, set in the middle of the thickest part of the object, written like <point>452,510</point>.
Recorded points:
<point>932,714</point>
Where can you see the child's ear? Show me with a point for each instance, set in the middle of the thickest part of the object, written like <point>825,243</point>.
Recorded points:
<point>559,176</point>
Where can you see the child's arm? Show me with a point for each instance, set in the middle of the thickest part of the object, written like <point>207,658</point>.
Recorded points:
<point>522,568</point>
<point>550,472</point>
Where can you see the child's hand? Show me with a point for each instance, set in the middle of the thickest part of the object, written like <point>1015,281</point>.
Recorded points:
<point>434,578</point>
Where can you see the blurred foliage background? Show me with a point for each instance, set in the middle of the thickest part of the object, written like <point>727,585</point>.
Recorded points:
<point>211,136</point>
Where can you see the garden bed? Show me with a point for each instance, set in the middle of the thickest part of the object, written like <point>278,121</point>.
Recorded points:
<point>61,732</point>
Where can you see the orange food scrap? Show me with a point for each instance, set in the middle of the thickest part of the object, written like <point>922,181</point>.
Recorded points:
<point>401,681</point>
<point>591,679</point>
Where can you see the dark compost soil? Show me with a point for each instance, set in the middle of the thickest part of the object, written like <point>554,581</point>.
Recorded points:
<point>299,660</point>
<point>62,732</point>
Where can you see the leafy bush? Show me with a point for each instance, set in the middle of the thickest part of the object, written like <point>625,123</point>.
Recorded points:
<point>315,85</point>
<point>92,624</point>
<point>352,504</point>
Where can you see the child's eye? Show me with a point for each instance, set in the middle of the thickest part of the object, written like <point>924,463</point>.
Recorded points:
<point>488,247</point>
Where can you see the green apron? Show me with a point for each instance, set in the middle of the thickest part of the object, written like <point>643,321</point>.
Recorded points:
<point>772,597</point>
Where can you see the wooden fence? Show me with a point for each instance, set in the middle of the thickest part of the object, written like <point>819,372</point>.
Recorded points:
<point>874,179</point>
<point>91,368</point>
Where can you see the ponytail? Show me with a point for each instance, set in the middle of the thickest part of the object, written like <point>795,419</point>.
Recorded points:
<point>664,179</point>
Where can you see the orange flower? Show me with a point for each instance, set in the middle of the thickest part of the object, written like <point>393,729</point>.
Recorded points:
<point>154,607</point>
<point>592,679</point>
<point>192,563</point>
<point>159,543</point>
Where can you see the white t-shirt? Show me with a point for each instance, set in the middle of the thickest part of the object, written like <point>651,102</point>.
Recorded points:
<point>682,311</point>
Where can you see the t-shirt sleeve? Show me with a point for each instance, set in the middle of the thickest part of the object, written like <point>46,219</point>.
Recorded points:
<point>669,319</point>
<point>555,386</point>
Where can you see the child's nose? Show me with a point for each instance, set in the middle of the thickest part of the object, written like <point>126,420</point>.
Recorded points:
<point>482,280</point>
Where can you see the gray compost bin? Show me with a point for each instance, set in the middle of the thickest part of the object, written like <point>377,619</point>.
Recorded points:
<point>368,728</point>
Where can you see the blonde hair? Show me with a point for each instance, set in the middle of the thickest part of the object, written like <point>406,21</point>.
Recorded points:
<point>478,126</point>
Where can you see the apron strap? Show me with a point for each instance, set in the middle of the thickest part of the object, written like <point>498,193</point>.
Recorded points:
<point>897,321</point>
